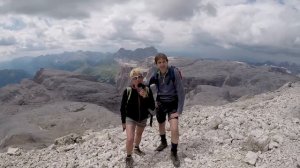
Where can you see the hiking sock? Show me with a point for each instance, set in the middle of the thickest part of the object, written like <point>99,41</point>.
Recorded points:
<point>174,148</point>
<point>128,156</point>
<point>163,138</point>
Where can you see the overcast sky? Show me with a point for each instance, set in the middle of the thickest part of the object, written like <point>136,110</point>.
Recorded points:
<point>259,30</point>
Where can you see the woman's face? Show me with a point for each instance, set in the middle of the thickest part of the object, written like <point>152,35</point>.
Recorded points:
<point>137,79</point>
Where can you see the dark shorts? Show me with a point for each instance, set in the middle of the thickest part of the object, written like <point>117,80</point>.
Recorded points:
<point>164,109</point>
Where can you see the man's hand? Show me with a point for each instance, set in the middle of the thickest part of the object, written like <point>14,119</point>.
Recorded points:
<point>157,104</point>
<point>174,115</point>
<point>124,126</point>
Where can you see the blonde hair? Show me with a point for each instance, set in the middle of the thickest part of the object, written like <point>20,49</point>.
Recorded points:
<point>135,72</point>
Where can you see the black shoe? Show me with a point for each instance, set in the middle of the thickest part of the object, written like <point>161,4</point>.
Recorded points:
<point>175,159</point>
<point>162,146</point>
<point>138,151</point>
<point>129,162</point>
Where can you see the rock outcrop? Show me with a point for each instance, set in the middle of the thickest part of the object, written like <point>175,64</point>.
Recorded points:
<point>53,85</point>
<point>209,82</point>
<point>263,132</point>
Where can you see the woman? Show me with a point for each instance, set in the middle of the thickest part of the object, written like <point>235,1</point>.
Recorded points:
<point>136,102</point>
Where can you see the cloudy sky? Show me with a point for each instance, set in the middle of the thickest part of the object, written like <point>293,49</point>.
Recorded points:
<point>250,29</point>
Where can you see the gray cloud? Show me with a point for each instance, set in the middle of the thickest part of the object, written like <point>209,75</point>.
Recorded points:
<point>202,38</point>
<point>124,32</point>
<point>7,41</point>
<point>78,34</point>
<point>123,29</point>
<point>55,8</point>
<point>209,9</point>
<point>173,9</point>
<point>269,50</point>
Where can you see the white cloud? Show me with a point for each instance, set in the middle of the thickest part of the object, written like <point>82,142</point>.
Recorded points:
<point>201,26</point>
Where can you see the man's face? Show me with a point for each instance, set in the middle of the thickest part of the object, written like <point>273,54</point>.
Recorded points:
<point>162,65</point>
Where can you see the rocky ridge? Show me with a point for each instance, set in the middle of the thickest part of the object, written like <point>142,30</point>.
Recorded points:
<point>49,86</point>
<point>210,82</point>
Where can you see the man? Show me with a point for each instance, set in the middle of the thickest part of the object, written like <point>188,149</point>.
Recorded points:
<point>170,100</point>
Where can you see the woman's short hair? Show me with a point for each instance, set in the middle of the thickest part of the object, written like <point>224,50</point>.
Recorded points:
<point>135,72</point>
<point>160,56</point>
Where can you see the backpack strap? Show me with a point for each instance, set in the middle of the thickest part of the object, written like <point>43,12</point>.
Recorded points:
<point>172,73</point>
<point>147,90</point>
<point>154,80</point>
<point>129,90</point>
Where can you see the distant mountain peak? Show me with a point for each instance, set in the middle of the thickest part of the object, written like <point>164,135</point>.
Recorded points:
<point>139,53</point>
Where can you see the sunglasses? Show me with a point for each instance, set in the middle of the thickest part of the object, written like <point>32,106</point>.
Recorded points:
<point>137,77</point>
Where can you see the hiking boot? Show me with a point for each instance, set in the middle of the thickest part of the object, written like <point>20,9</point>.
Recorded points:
<point>175,159</point>
<point>129,162</point>
<point>138,151</point>
<point>162,146</point>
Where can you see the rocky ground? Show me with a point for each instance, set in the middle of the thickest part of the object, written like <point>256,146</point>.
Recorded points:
<point>54,103</point>
<point>263,132</point>
<point>38,127</point>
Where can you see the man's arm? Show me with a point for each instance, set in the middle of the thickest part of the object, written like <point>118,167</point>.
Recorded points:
<point>180,91</point>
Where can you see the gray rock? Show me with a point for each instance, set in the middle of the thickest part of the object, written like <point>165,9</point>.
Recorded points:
<point>13,151</point>
<point>276,141</point>
<point>257,140</point>
<point>68,139</point>
<point>215,122</point>
<point>251,158</point>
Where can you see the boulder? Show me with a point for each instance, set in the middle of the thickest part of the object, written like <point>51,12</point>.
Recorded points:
<point>13,151</point>
<point>68,139</point>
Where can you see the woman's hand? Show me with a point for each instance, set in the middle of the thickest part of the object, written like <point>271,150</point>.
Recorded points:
<point>124,126</point>
<point>143,93</point>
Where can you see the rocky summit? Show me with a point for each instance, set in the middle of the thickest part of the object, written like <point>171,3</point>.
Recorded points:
<point>263,132</point>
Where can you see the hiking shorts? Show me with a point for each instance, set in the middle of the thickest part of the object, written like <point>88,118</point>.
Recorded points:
<point>164,109</point>
<point>142,123</point>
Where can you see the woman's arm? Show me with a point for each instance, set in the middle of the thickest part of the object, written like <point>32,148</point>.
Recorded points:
<point>123,106</point>
<point>151,102</point>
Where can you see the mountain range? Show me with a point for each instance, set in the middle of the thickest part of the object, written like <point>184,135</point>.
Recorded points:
<point>55,102</point>
<point>102,65</point>
<point>8,76</point>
